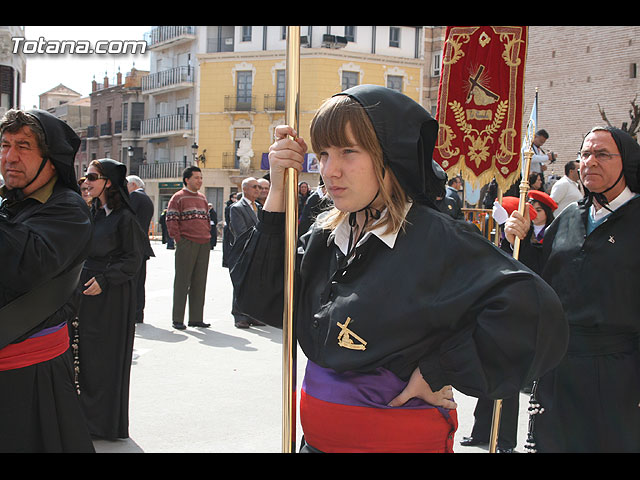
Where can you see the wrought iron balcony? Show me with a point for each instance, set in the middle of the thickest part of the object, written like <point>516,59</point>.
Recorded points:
<point>239,104</point>
<point>274,103</point>
<point>229,160</point>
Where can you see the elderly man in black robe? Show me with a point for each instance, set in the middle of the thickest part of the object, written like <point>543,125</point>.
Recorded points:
<point>45,230</point>
<point>591,401</point>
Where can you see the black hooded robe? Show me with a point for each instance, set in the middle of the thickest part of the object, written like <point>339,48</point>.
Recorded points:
<point>443,299</point>
<point>107,321</point>
<point>591,401</point>
<point>39,407</point>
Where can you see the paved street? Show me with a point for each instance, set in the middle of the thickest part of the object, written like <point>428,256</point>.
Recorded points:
<point>217,389</point>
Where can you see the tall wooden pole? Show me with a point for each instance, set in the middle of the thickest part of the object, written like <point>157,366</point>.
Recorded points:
<point>522,206</point>
<point>292,106</point>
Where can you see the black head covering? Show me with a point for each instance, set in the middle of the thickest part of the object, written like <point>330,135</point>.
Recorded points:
<point>62,144</point>
<point>117,173</point>
<point>630,155</point>
<point>407,135</point>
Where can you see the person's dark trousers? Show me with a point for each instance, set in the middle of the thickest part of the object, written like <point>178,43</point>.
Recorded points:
<point>171,244</point>
<point>483,414</point>
<point>140,292</point>
<point>191,265</point>
<point>239,318</point>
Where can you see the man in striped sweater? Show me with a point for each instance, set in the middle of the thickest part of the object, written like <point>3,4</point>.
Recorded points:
<point>188,224</point>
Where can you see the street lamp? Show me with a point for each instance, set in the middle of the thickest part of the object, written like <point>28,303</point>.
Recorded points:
<point>130,155</point>
<point>194,150</point>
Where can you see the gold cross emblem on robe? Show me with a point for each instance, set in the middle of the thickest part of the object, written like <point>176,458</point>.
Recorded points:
<point>345,340</point>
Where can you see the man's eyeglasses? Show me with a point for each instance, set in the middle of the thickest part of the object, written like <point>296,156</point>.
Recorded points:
<point>600,156</point>
<point>92,177</point>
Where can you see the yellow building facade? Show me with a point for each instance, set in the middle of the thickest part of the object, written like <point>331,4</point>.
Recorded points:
<point>241,101</point>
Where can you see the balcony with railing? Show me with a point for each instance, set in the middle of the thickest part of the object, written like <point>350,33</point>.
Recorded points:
<point>105,129</point>
<point>161,170</point>
<point>229,160</point>
<point>239,103</point>
<point>274,103</point>
<point>172,79</point>
<point>166,125</point>
<point>169,34</point>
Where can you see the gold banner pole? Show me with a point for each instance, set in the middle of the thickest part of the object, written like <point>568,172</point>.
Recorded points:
<point>292,106</point>
<point>498,228</point>
<point>522,205</point>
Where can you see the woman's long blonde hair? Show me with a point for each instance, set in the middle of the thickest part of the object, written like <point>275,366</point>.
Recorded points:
<point>329,129</point>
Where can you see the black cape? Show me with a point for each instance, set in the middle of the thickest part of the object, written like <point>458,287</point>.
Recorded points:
<point>444,299</point>
<point>591,399</point>
<point>107,322</point>
<point>39,408</point>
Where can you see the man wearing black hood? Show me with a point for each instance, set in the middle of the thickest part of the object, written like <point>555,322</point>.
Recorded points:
<point>590,257</point>
<point>395,302</point>
<point>45,231</point>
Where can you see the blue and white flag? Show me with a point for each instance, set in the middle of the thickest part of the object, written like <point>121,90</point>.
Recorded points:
<point>530,130</point>
<point>529,133</point>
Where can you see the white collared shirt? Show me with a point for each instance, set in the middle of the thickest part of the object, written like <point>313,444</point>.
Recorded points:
<point>613,205</point>
<point>253,206</point>
<point>340,236</point>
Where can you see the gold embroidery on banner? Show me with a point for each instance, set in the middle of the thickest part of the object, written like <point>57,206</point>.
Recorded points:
<point>478,148</point>
<point>500,115</point>
<point>456,43</point>
<point>344,338</point>
<point>484,39</point>
<point>478,91</point>
<point>483,115</point>
<point>444,146</point>
<point>509,47</point>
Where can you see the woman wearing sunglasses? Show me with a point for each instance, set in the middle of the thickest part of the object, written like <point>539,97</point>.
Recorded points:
<point>106,318</point>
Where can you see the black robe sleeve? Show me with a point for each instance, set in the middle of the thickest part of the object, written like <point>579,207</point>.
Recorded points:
<point>124,265</point>
<point>37,248</point>
<point>257,258</point>
<point>39,243</point>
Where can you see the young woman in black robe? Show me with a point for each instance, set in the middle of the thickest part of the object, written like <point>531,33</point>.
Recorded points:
<point>395,302</point>
<point>107,308</point>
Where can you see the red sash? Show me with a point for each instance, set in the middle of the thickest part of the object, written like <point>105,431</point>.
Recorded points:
<point>36,349</point>
<point>331,427</point>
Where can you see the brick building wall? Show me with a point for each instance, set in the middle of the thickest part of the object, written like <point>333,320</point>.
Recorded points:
<point>575,68</point>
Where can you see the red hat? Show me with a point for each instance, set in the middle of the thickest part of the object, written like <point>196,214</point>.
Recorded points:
<point>543,198</point>
<point>510,204</point>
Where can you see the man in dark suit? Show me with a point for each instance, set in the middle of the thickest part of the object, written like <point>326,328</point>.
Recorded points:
<point>454,185</point>
<point>143,207</point>
<point>243,215</point>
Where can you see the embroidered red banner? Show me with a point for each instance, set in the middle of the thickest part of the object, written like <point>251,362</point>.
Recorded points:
<point>480,103</point>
